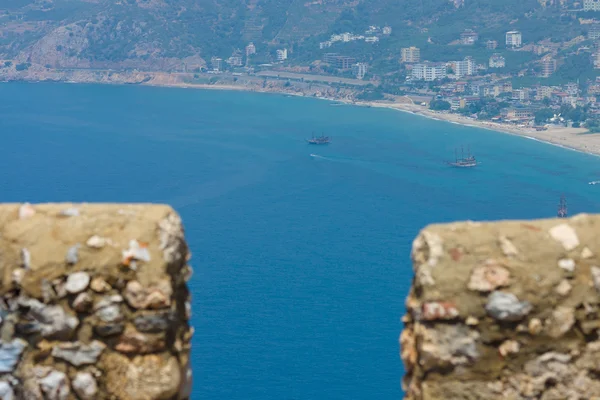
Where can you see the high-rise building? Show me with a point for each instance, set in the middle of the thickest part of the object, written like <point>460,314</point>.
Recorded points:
<point>428,71</point>
<point>548,67</point>
<point>465,67</point>
<point>513,39</point>
<point>339,61</point>
<point>410,54</point>
<point>520,94</point>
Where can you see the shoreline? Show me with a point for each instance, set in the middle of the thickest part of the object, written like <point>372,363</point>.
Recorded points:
<point>566,138</point>
<point>575,139</point>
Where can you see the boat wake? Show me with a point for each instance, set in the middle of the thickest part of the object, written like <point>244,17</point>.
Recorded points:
<point>593,182</point>
<point>317,156</point>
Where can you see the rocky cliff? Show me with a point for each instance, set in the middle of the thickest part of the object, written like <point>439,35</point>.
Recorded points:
<point>94,302</point>
<point>504,310</point>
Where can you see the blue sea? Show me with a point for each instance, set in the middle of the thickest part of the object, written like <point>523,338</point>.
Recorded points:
<point>302,263</point>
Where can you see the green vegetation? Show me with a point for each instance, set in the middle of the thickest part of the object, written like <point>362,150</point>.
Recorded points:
<point>593,125</point>
<point>569,113</point>
<point>125,34</point>
<point>371,93</point>
<point>543,115</point>
<point>576,66</point>
<point>439,105</point>
<point>485,108</point>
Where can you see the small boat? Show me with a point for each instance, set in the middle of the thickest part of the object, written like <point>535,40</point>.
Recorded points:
<point>464,162</point>
<point>319,140</point>
<point>562,207</point>
<point>593,182</point>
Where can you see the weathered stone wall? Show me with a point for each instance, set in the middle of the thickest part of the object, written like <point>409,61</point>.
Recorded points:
<point>504,310</point>
<point>94,303</point>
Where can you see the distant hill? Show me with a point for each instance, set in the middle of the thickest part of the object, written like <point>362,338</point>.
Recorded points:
<point>167,34</point>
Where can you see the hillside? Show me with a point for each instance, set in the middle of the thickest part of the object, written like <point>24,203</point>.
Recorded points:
<point>166,34</point>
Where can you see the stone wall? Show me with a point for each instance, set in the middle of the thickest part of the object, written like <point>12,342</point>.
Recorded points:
<point>94,303</point>
<point>504,310</point>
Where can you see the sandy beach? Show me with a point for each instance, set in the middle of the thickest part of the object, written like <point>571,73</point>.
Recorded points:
<point>572,138</point>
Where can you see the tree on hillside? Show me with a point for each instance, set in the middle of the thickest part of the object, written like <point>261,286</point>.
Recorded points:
<point>576,66</point>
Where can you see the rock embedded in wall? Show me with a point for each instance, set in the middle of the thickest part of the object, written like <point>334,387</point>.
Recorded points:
<point>504,310</point>
<point>93,302</point>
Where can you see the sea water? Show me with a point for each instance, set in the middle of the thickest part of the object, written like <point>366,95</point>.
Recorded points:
<point>302,263</point>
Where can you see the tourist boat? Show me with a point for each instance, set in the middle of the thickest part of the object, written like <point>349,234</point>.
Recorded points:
<point>463,162</point>
<point>319,140</point>
<point>562,207</point>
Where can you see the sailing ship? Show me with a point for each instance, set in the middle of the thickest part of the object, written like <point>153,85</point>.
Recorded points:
<point>319,140</point>
<point>463,162</point>
<point>562,207</point>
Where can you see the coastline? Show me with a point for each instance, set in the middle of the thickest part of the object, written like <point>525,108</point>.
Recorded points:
<point>576,139</point>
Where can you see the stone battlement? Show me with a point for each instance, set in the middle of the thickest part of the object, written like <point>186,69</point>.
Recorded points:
<point>94,302</point>
<point>504,310</point>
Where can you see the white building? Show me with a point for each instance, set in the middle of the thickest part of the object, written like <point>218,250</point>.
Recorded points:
<point>359,70</point>
<point>428,72</point>
<point>410,54</point>
<point>468,37</point>
<point>250,49</point>
<point>324,45</point>
<point>497,61</point>
<point>520,94</point>
<point>594,31</point>
<point>513,39</point>
<point>372,30</point>
<point>216,63</point>
<point>591,5</point>
<point>282,55</point>
<point>371,39</point>
<point>235,60</point>
<point>596,60</point>
<point>465,67</point>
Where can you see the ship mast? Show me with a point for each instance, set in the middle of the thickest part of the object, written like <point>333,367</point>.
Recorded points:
<point>562,207</point>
